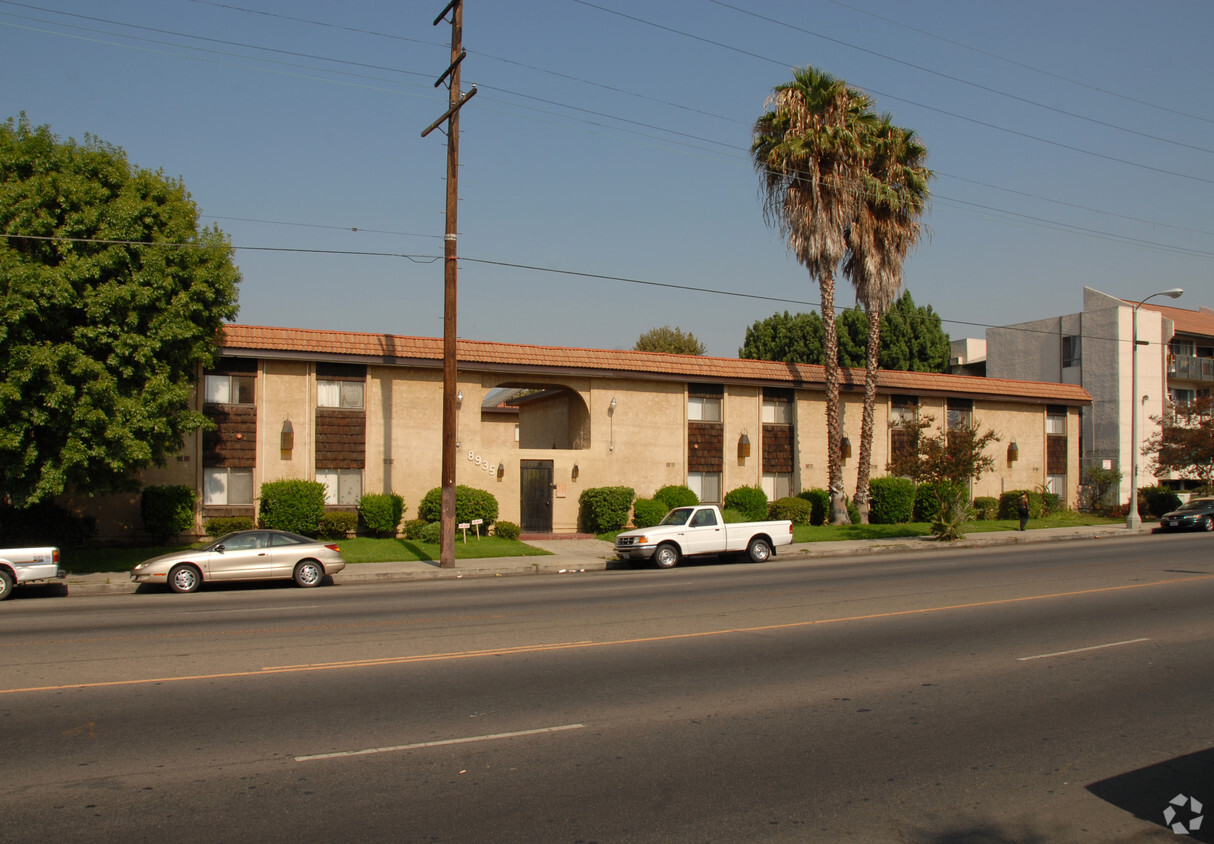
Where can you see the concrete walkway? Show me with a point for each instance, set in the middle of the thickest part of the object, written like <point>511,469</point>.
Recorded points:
<point>572,556</point>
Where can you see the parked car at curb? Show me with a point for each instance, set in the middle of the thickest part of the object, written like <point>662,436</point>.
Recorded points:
<point>1194,514</point>
<point>28,565</point>
<point>691,531</point>
<point>244,555</point>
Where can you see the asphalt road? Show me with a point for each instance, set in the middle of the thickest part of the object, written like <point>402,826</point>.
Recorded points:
<point>1058,693</point>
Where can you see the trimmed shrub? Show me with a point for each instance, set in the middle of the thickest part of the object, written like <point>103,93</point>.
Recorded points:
<point>431,532</point>
<point>891,501</point>
<point>732,517</point>
<point>1010,509</point>
<point>380,513</point>
<point>751,501</point>
<point>646,512</point>
<point>44,524</point>
<point>605,508</point>
<point>796,510</point>
<point>927,501</point>
<point>853,512</point>
<point>412,528</point>
<point>1158,500</point>
<point>470,504</point>
<point>507,530</point>
<point>295,506</point>
<point>986,508</point>
<point>337,524</point>
<point>221,525</point>
<point>676,496</point>
<point>819,502</point>
<point>167,510</point>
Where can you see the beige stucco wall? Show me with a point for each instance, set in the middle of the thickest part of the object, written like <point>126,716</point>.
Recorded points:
<point>641,444</point>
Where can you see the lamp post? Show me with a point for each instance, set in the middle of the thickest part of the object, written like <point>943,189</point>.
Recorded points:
<point>1132,520</point>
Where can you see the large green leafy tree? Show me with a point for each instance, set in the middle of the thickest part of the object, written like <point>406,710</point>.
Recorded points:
<point>808,149</point>
<point>111,297</point>
<point>672,340</point>
<point>912,338</point>
<point>1184,443</point>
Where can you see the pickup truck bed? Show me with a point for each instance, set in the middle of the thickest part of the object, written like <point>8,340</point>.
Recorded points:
<point>27,565</point>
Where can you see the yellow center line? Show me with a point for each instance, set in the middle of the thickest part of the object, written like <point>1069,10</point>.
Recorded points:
<point>561,646</point>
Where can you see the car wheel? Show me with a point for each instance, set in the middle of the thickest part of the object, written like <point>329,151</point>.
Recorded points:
<point>1207,523</point>
<point>308,573</point>
<point>666,557</point>
<point>184,578</point>
<point>758,551</point>
<point>6,585</point>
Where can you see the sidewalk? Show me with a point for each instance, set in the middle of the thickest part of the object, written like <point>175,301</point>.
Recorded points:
<point>574,556</point>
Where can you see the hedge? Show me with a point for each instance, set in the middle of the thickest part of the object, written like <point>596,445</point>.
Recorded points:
<point>507,530</point>
<point>337,524</point>
<point>380,513</point>
<point>796,510</point>
<point>819,500</point>
<point>750,501</point>
<point>294,506</point>
<point>646,512</point>
<point>167,510</point>
<point>470,504</point>
<point>673,496</point>
<point>222,525</point>
<point>605,508</point>
<point>891,501</point>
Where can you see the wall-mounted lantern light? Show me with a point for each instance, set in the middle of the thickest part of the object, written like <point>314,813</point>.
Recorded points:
<point>845,448</point>
<point>573,475</point>
<point>1013,453</point>
<point>501,470</point>
<point>287,439</point>
<point>743,446</point>
<point>611,407</point>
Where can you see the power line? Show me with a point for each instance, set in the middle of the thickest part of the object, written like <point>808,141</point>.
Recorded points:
<point>430,259</point>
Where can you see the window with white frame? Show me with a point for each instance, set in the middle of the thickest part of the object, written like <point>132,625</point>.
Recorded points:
<point>777,485</point>
<point>703,409</point>
<point>706,485</point>
<point>1056,484</point>
<point>1055,423</point>
<point>777,412</point>
<point>224,486</point>
<point>229,389</point>
<point>345,394</point>
<point>342,486</point>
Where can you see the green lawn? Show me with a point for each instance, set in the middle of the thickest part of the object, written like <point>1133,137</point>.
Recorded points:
<point>359,550</point>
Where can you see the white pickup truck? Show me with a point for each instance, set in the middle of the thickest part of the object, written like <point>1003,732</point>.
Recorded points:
<point>27,565</point>
<point>690,531</point>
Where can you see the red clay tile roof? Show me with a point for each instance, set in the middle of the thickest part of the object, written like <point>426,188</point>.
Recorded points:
<point>1200,323</point>
<point>247,340</point>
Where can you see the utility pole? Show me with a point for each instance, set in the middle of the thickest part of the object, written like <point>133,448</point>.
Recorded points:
<point>450,274</point>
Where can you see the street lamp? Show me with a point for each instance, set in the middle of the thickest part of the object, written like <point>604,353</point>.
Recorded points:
<point>1132,520</point>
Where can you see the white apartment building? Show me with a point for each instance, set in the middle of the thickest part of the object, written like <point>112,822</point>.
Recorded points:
<point>1094,349</point>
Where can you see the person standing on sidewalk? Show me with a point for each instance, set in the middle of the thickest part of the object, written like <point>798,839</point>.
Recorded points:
<point>1023,506</point>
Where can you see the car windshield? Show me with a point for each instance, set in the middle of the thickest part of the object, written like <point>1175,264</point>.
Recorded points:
<point>678,516</point>
<point>1198,504</point>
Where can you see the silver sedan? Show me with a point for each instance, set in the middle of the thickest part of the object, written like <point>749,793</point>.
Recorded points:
<point>244,555</point>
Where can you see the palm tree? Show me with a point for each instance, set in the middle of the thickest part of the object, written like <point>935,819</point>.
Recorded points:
<point>808,149</point>
<point>885,228</point>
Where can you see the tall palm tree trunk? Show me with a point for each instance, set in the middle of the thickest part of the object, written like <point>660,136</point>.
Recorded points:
<point>870,406</point>
<point>830,350</point>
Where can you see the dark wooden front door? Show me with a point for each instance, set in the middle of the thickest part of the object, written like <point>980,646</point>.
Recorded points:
<point>537,496</point>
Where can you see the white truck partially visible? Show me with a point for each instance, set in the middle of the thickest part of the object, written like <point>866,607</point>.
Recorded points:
<point>28,565</point>
<point>691,531</point>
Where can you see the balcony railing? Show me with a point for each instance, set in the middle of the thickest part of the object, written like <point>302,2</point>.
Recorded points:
<point>1190,368</point>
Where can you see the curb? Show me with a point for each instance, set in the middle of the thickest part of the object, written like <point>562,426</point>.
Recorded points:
<point>119,583</point>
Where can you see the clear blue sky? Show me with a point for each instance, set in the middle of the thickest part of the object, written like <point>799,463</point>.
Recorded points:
<point>1073,144</point>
